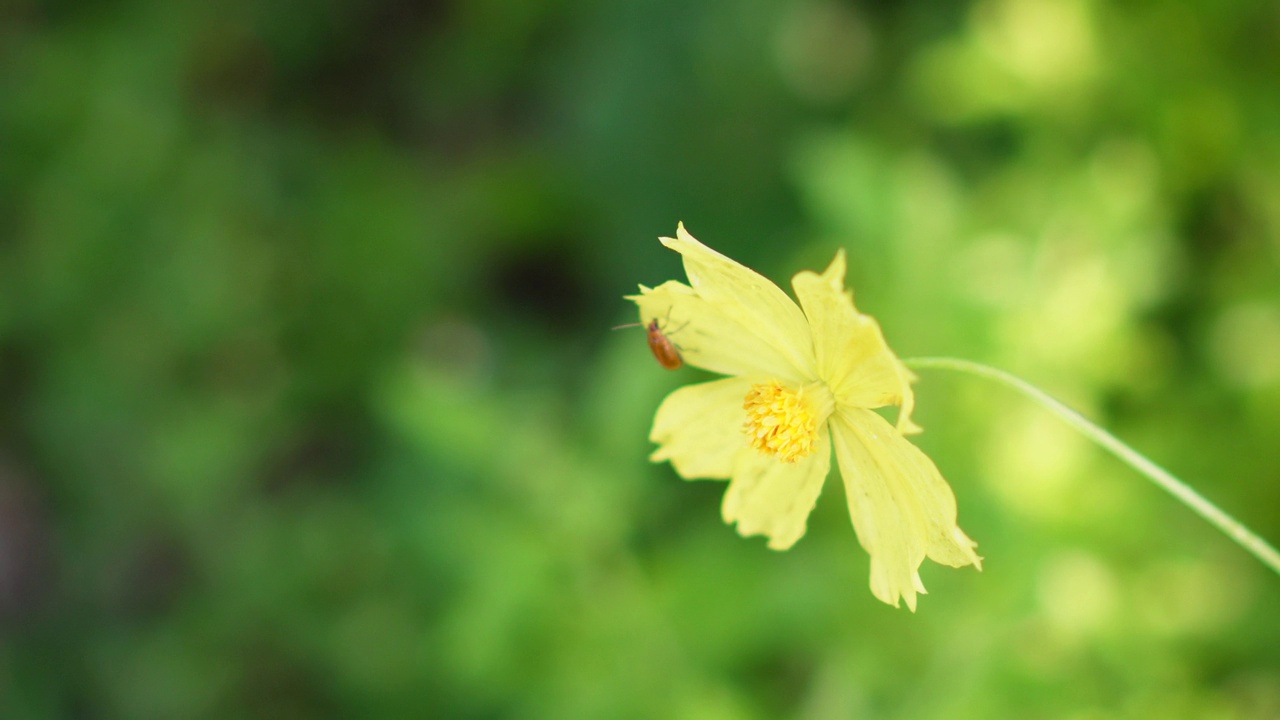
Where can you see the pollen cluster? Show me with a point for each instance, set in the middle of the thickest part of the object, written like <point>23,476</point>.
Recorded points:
<point>780,421</point>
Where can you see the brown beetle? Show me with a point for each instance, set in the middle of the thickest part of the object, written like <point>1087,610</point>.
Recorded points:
<point>664,350</point>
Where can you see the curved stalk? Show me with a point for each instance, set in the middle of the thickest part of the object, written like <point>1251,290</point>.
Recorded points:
<point>1228,525</point>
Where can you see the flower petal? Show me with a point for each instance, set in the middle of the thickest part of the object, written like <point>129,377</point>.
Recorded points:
<point>773,498</point>
<point>756,306</point>
<point>902,508</point>
<point>851,354</point>
<point>708,337</point>
<point>699,428</point>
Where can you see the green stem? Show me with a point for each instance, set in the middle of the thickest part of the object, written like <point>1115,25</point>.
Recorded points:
<point>1229,526</point>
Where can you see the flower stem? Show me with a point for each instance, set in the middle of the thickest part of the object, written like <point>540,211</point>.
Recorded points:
<point>1229,526</point>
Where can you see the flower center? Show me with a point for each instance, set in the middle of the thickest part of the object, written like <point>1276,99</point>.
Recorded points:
<point>783,421</point>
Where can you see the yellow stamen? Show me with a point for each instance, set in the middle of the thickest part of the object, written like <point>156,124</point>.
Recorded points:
<point>783,421</point>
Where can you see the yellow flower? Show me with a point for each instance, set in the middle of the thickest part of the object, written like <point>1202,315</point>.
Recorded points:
<point>802,381</point>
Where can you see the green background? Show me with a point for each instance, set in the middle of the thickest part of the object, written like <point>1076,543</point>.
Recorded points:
<point>310,406</point>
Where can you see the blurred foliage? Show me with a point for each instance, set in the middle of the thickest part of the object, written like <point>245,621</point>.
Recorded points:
<point>310,407</point>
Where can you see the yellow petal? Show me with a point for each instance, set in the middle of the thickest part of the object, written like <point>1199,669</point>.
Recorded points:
<point>754,304</point>
<point>708,337</point>
<point>699,428</point>
<point>850,351</point>
<point>902,508</point>
<point>773,498</point>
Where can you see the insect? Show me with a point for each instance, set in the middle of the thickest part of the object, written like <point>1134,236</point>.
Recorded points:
<point>666,352</point>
